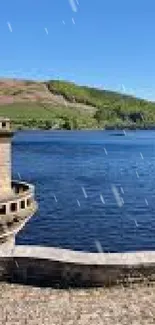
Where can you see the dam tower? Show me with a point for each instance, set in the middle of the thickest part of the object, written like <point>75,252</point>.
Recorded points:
<point>5,158</point>
<point>17,199</point>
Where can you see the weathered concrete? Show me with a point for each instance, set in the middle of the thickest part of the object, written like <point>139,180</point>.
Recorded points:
<point>60,267</point>
<point>5,166</point>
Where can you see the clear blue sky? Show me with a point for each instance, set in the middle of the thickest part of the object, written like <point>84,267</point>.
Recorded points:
<point>112,42</point>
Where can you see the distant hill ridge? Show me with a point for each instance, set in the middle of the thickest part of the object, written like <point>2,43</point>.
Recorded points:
<point>85,107</point>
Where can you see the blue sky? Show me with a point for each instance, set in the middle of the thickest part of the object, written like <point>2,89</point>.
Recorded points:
<point>110,45</point>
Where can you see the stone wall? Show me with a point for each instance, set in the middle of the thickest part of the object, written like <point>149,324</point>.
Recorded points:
<point>62,268</point>
<point>5,166</point>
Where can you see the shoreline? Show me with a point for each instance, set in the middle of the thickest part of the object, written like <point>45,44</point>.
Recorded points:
<point>81,130</point>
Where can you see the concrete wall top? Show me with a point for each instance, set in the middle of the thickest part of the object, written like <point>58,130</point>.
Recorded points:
<point>81,258</point>
<point>27,189</point>
<point>5,119</point>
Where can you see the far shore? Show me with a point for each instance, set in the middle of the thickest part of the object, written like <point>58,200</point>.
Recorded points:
<point>88,129</point>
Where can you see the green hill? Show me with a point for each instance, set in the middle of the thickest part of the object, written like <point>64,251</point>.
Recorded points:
<point>112,109</point>
<point>65,105</point>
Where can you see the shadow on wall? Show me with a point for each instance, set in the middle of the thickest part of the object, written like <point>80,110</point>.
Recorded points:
<point>58,274</point>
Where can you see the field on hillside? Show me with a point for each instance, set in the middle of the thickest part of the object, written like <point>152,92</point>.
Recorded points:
<point>38,115</point>
<point>24,111</point>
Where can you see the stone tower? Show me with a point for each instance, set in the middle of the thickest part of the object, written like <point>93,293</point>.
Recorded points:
<point>5,158</point>
<point>17,199</point>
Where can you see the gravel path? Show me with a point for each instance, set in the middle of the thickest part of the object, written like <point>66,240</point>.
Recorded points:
<point>111,306</point>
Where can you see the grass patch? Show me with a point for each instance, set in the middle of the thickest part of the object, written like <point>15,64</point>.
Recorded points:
<point>33,115</point>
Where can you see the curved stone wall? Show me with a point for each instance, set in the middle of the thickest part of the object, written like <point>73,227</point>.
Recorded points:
<point>60,267</point>
<point>16,209</point>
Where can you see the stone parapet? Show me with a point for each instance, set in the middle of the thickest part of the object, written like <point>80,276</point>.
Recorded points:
<point>19,206</point>
<point>60,267</point>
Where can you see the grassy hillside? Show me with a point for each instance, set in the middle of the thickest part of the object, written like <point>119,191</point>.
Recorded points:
<point>112,109</point>
<point>46,116</point>
<point>65,105</point>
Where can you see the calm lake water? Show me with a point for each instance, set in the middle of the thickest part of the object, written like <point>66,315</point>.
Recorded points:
<point>82,180</point>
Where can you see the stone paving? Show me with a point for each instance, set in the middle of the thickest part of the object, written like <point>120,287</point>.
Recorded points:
<point>21,305</point>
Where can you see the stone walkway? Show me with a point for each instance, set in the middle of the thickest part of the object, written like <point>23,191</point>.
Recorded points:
<point>40,306</point>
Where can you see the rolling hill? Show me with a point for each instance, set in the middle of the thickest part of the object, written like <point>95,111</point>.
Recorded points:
<point>65,105</point>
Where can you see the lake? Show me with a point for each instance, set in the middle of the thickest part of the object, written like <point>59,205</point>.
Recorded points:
<point>95,189</point>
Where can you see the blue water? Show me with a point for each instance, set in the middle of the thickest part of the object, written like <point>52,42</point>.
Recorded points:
<point>71,170</point>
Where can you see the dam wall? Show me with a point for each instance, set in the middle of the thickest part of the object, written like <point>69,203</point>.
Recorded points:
<point>57,267</point>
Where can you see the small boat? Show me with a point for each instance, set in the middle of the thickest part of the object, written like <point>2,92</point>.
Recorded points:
<point>118,134</point>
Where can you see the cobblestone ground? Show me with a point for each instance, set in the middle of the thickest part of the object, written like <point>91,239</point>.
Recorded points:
<point>110,306</point>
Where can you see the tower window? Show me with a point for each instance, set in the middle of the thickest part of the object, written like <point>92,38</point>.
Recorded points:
<point>3,125</point>
<point>28,202</point>
<point>22,204</point>
<point>2,209</point>
<point>13,207</point>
